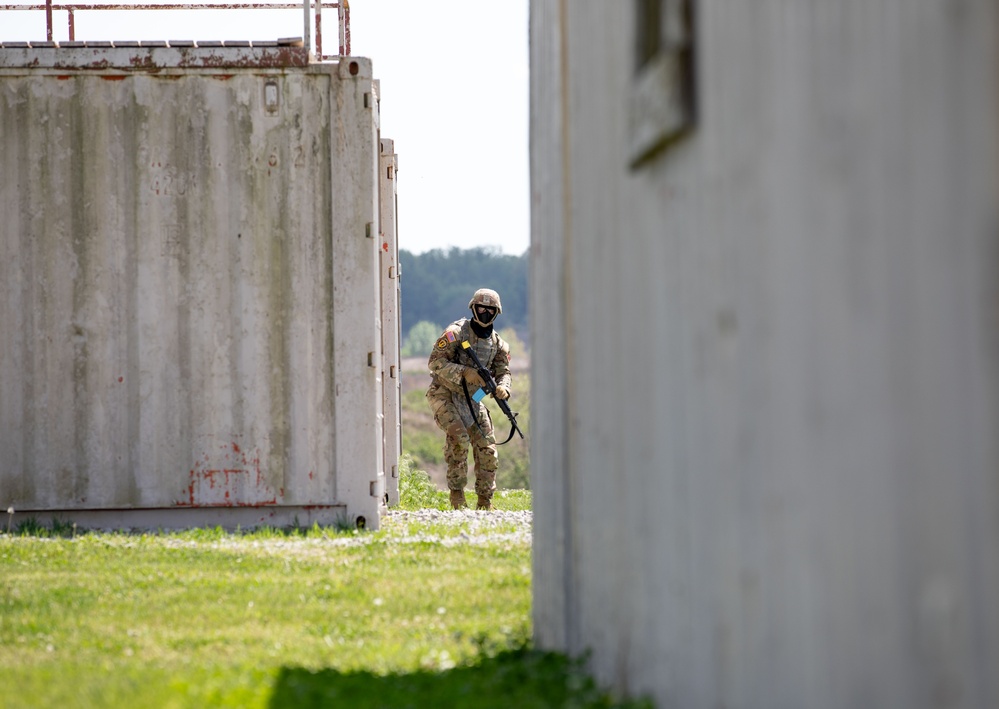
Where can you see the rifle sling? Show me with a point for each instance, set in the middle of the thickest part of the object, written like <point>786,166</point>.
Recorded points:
<point>468,399</point>
<point>472,408</point>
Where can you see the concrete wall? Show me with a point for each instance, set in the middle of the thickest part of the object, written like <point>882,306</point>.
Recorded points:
<point>764,455</point>
<point>190,310</point>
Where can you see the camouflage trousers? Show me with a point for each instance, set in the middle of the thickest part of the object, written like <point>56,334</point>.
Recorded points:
<point>456,442</point>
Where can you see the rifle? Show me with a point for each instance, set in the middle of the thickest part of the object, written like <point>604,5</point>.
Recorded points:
<point>490,388</point>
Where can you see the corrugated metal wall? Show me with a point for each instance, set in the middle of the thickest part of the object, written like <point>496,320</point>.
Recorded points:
<point>391,301</point>
<point>190,315</point>
<point>765,450</point>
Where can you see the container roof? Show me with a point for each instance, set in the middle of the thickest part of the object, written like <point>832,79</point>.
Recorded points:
<point>150,56</point>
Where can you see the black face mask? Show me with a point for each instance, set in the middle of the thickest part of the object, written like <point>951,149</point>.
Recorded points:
<point>482,331</point>
<point>484,314</point>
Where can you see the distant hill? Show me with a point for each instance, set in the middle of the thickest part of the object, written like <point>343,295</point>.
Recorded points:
<point>437,285</point>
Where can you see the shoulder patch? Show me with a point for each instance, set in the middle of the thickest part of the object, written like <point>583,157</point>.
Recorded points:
<point>450,336</point>
<point>442,343</point>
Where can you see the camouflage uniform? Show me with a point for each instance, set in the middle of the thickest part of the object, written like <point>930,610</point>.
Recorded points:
<point>447,400</point>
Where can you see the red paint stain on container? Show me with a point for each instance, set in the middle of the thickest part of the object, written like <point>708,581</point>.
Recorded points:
<point>237,482</point>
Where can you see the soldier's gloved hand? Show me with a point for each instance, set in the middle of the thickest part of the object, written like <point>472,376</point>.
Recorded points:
<point>472,377</point>
<point>502,392</point>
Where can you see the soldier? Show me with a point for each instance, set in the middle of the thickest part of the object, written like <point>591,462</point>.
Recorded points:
<point>452,388</point>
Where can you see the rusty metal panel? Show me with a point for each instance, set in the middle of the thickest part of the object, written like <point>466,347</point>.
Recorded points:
<point>172,261</point>
<point>390,303</point>
<point>150,56</point>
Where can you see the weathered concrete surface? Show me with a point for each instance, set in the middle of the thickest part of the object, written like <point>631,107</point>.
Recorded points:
<point>765,445</point>
<point>190,291</point>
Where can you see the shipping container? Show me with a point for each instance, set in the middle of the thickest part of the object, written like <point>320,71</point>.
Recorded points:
<point>191,257</point>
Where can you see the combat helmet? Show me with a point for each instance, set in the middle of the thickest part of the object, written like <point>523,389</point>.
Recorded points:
<point>488,298</point>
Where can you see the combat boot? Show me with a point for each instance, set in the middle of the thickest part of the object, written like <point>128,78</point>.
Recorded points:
<point>484,503</point>
<point>458,499</point>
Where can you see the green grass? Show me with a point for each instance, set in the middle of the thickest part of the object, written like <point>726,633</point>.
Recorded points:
<point>275,618</point>
<point>213,622</point>
<point>417,491</point>
<point>518,677</point>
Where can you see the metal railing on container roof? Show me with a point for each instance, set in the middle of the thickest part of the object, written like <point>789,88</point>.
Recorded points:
<point>311,10</point>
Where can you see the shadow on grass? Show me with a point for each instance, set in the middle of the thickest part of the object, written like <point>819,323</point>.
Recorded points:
<point>521,678</point>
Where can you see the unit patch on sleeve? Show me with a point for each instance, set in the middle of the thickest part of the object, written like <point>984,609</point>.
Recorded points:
<point>442,343</point>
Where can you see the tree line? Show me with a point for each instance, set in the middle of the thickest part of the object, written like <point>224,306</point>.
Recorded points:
<point>437,285</point>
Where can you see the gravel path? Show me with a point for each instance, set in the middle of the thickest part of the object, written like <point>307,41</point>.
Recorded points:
<point>478,520</point>
<point>493,527</point>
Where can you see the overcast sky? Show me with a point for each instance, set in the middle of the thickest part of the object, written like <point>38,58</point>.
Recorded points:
<point>454,81</point>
